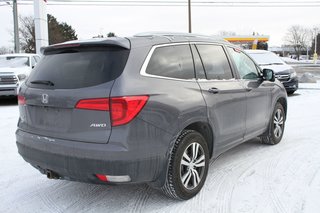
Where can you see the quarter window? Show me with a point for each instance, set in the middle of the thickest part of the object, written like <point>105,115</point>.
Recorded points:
<point>172,61</point>
<point>246,67</point>
<point>215,62</point>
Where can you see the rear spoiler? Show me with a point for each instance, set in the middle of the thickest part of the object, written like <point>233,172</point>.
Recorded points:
<point>116,41</point>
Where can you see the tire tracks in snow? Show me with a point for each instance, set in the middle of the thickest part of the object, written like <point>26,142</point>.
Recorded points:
<point>142,198</point>
<point>225,179</point>
<point>38,193</point>
<point>48,198</point>
<point>222,182</point>
<point>273,196</point>
<point>86,197</point>
<point>293,167</point>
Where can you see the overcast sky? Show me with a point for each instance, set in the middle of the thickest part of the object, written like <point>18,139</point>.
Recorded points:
<point>89,21</point>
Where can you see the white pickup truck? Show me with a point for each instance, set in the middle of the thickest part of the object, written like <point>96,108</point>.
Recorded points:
<point>14,69</point>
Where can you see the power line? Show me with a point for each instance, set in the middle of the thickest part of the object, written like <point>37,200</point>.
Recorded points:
<point>162,5</point>
<point>214,2</point>
<point>145,3</point>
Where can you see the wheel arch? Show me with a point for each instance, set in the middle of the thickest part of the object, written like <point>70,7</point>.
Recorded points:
<point>283,102</point>
<point>206,131</point>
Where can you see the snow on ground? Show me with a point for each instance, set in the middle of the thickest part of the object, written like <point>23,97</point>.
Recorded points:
<point>249,178</point>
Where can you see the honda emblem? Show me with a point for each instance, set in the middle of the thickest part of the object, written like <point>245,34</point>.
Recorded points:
<point>45,98</point>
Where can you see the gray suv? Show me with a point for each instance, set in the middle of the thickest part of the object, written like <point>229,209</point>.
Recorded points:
<point>152,108</point>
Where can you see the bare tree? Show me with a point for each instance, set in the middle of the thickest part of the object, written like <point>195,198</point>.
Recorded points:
<point>58,32</point>
<point>5,50</point>
<point>27,34</point>
<point>226,33</point>
<point>298,37</point>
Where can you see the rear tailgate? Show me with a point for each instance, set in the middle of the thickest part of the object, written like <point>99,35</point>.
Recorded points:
<point>60,119</point>
<point>60,81</point>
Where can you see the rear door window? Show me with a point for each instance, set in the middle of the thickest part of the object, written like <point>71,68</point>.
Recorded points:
<point>215,62</point>
<point>172,61</point>
<point>79,67</point>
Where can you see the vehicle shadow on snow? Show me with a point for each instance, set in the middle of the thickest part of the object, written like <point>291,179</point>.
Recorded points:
<point>8,101</point>
<point>294,94</point>
<point>84,197</point>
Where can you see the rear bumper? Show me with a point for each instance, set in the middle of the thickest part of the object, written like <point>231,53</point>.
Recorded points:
<point>8,90</point>
<point>80,161</point>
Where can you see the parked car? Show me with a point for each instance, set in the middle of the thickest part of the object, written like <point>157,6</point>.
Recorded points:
<point>14,69</point>
<point>152,108</point>
<point>283,72</point>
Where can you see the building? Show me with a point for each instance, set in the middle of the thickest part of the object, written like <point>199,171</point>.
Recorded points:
<point>249,41</point>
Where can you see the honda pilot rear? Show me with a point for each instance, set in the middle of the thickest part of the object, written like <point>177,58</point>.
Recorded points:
<point>67,115</point>
<point>145,109</point>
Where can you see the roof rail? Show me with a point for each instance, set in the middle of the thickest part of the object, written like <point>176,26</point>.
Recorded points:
<point>172,34</point>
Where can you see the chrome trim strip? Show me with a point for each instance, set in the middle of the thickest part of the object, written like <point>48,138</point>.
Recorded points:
<point>147,60</point>
<point>217,80</point>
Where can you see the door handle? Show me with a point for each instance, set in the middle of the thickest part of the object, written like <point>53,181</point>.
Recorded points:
<point>213,90</point>
<point>248,89</point>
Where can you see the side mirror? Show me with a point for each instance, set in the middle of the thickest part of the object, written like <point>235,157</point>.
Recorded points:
<point>268,75</point>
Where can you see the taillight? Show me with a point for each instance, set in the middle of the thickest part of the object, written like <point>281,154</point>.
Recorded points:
<point>21,100</point>
<point>125,109</point>
<point>103,178</point>
<point>122,109</point>
<point>94,104</point>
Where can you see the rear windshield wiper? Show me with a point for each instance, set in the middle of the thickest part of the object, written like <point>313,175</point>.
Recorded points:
<point>49,83</point>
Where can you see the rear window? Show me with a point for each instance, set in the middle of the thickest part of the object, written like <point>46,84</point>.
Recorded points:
<point>78,67</point>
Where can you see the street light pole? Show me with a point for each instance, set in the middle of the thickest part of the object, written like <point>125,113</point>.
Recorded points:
<point>315,55</point>
<point>315,43</point>
<point>189,15</point>
<point>16,27</point>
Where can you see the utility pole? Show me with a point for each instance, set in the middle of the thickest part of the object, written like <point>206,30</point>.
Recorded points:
<point>16,27</point>
<point>41,24</point>
<point>189,15</point>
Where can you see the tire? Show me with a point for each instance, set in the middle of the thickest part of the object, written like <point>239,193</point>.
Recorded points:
<point>188,169</point>
<point>275,130</point>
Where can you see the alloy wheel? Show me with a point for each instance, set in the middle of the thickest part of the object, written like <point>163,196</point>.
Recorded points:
<point>278,122</point>
<point>192,166</point>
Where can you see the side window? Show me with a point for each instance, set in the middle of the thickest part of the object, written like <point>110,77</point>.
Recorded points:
<point>172,61</point>
<point>215,62</point>
<point>246,67</point>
